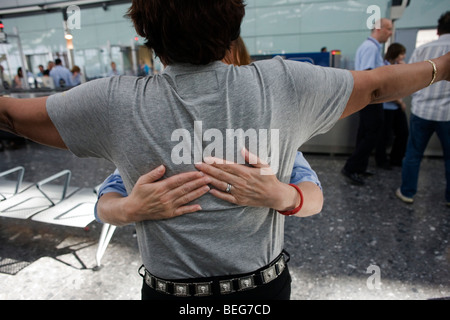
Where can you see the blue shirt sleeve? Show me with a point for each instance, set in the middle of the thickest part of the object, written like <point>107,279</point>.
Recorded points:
<point>369,56</point>
<point>302,171</point>
<point>113,183</point>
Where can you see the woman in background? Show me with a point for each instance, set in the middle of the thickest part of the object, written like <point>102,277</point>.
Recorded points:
<point>395,127</point>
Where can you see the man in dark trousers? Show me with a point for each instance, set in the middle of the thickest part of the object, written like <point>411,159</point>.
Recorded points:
<point>368,56</point>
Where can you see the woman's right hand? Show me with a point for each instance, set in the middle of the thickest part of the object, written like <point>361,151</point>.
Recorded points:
<point>151,199</point>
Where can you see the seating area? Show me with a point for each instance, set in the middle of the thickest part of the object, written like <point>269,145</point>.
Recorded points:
<point>51,200</point>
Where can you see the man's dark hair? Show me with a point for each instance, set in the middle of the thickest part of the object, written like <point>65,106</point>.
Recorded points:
<point>188,31</point>
<point>58,61</point>
<point>444,24</point>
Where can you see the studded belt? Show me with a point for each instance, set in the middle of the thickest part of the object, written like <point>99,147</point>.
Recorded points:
<point>225,285</point>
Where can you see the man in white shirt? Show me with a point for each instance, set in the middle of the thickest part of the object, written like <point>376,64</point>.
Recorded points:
<point>113,71</point>
<point>430,113</point>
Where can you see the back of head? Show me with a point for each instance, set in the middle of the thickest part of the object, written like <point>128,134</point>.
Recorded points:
<point>394,51</point>
<point>444,24</point>
<point>75,69</point>
<point>188,31</point>
<point>380,24</point>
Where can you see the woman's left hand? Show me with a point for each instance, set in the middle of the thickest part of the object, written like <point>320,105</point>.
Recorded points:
<point>255,186</point>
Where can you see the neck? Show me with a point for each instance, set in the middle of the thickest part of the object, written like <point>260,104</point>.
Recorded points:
<point>375,37</point>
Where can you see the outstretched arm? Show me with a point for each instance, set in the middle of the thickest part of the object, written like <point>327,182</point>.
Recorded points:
<point>29,118</point>
<point>394,82</point>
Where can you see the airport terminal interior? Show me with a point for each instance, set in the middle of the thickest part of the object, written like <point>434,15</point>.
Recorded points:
<point>366,244</point>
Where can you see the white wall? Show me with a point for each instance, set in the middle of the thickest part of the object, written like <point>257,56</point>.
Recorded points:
<point>270,26</point>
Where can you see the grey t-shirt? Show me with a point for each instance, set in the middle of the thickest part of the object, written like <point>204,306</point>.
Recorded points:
<point>187,112</point>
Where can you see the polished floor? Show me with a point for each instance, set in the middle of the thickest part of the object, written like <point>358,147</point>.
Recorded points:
<point>365,244</point>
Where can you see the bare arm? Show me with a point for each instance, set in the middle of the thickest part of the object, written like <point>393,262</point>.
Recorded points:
<point>313,199</point>
<point>393,82</point>
<point>29,118</point>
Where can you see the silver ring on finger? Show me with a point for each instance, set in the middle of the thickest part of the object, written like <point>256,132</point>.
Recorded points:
<point>228,190</point>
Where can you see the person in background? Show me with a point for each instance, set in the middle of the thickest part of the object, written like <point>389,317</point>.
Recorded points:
<point>76,76</point>
<point>40,74</point>
<point>144,69</point>
<point>395,122</point>
<point>368,57</point>
<point>50,66</point>
<point>47,81</point>
<point>430,113</point>
<point>238,54</point>
<point>113,71</point>
<point>62,77</point>
<point>19,79</point>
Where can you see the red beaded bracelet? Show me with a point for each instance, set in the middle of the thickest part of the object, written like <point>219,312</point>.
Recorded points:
<point>294,211</point>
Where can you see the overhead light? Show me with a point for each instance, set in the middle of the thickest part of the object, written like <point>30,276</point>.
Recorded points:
<point>68,36</point>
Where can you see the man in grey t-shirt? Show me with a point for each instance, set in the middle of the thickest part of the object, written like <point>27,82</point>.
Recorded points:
<point>200,107</point>
<point>281,108</point>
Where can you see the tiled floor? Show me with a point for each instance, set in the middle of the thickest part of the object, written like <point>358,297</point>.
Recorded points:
<point>365,244</point>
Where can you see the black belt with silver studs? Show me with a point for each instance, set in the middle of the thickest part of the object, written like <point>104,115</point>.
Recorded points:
<point>226,285</point>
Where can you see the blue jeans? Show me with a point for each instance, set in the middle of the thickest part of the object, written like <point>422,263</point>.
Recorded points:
<point>421,131</point>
